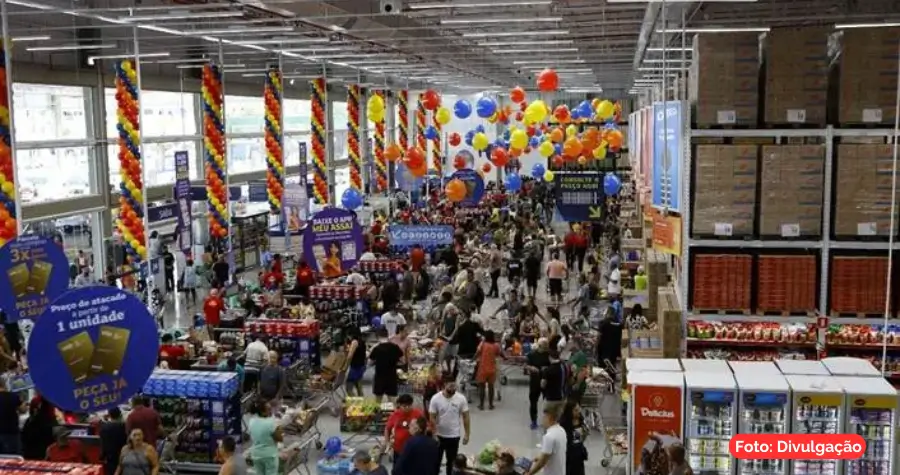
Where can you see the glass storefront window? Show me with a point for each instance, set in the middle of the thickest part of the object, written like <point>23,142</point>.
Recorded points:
<point>159,160</point>
<point>292,150</point>
<point>297,115</point>
<point>165,114</point>
<point>73,231</point>
<point>244,114</point>
<point>39,174</point>
<point>246,155</point>
<point>339,117</point>
<point>45,112</point>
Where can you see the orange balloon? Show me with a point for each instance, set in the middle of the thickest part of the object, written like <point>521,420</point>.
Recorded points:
<point>415,158</point>
<point>562,114</point>
<point>557,161</point>
<point>517,95</point>
<point>486,167</point>
<point>392,152</point>
<point>515,152</point>
<point>572,147</point>
<point>455,190</point>
<point>548,80</point>
<point>557,135</point>
<point>591,138</point>
<point>615,139</point>
<point>499,157</point>
<point>419,171</point>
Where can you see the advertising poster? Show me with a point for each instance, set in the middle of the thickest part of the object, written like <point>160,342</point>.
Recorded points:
<point>647,145</point>
<point>474,186</point>
<point>427,236</point>
<point>257,192</point>
<point>34,270</point>
<point>405,180</point>
<point>667,146</point>
<point>98,347</point>
<point>183,202</point>
<point>657,409</point>
<point>667,234</point>
<point>579,196</point>
<point>296,213</point>
<point>156,214</point>
<point>332,241</point>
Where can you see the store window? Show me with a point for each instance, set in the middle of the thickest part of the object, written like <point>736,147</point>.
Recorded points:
<point>74,232</point>
<point>159,160</point>
<point>292,150</point>
<point>244,114</point>
<point>339,117</point>
<point>39,174</point>
<point>164,114</point>
<point>246,155</point>
<point>340,144</point>
<point>44,112</point>
<point>297,115</point>
<point>341,181</point>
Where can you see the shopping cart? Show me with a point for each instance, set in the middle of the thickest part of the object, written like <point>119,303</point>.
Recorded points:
<point>295,457</point>
<point>466,380</point>
<point>615,454</point>
<point>327,390</point>
<point>303,422</point>
<point>600,398</point>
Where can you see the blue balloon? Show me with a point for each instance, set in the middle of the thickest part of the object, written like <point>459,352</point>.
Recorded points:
<point>462,109</point>
<point>538,132</point>
<point>470,135</point>
<point>576,114</point>
<point>513,183</point>
<point>498,142</point>
<point>485,107</point>
<point>376,322</point>
<point>537,171</point>
<point>534,141</point>
<point>584,109</point>
<point>479,128</point>
<point>506,134</point>
<point>431,133</point>
<point>557,149</point>
<point>351,199</point>
<point>333,446</point>
<point>611,184</point>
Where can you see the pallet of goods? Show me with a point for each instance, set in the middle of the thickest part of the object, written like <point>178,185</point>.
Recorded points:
<point>296,340</point>
<point>868,76</point>
<point>796,76</point>
<point>724,79</point>
<point>786,284</point>
<point>722,283</point>
<point>863,198</point>
<point>791,191</point>
<point>13,466</point>
<point>725,190</point>
<point>857,285</point>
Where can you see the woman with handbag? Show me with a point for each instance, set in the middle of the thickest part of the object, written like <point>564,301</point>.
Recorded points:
<point>576,433</point>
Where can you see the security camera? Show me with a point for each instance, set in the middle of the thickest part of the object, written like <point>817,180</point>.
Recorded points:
<point>519,71</point>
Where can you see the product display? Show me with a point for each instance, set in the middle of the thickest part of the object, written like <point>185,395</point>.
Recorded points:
<point>875,426</point>
<point>297,341</point>
<point>816,419</point>
<point>754,333</point>
<point>710,431</point>
<point>364,415</point>
<point>852,291</point>
<point>725,198</point>
<point>39,467</point>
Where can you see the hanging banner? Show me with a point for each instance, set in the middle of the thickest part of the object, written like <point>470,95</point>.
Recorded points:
<point>183,200</point>
<point>667,151</point>
<point>667,234</point>
<point>257,192</point>
<point>296,214</point>
<point>198,193</point>
<point>647,145</point>
<point>474,186</point>
<point>405,180</point>
<point>579,195</point>
<point>334,239</point>
<point>163,212</point>
<point>427,236</point>
<point>97,347</point>
<point>304,178</point>
<point>34,270</point>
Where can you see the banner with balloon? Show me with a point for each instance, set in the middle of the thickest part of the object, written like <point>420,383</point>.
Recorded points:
<point>465,188</point>
<point>405,180</point>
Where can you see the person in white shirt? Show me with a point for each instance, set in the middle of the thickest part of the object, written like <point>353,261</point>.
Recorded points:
<point>256,353</point>
<point>391,320</point>
<point>614,286</point>
<point>355,278</point>
<point>552,459</point>
<point>449,413</point>
<point>367,256</point>
<point>84,278</point>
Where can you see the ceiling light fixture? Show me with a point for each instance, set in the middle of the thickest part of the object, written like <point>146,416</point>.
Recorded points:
<point>436,6</point>
<point>669,50</point>
<point>527,43</point>
<point>70,47</point>
<point>181,16</point>
<point>283,40</point>
<point>246,70</point>
<point>18,39</point>
<point>200,66</point>
<point>476,21</point>
<point>847,26</point>
<point>543,50</point>
<point>315,49</point>
<point>182,60</point>
<point>162,54</point>
<point>501,34</point>
<point>240,31</point>
<point>713,29</point>
<point>667,61</point>
<point>552,61</point>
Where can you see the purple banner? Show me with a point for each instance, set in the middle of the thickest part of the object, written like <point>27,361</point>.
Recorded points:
<point>332,241</point>
<point>183,199</point>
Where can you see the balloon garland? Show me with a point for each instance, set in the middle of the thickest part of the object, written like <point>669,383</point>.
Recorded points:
<point>380,163</point>
<point>274,138</point>
<point>404,119</point>
<point>353,137</point>
<point>8,224</point>
<point>420,124</point>
<point>320,170</point>
<point>130,222</point>
<point>214,150</point>
<point>436,157</point>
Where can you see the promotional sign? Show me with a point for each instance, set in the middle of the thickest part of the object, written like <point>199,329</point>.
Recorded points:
<point>667,151</point>
<point>647,145</point>
<point>474,186</point>
<point>163,212</point>
<point>257,192</point>
<point>295,202</point>
<point>427,236</point>
<point>334,239</point>
<point>467,157</point>
<point>667,234</point>
<point>304,178</point>
<point>97,347</point>
<point>579,196</point>
<point>34,270</point>
<point>657,409</point>
<point>183,201</point>
<point>405,180</point>
<point>198,193</point>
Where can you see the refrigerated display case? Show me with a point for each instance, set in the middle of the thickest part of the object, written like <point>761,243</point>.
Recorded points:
<point>715,366</point>
<point>764,408</point>
<point>711,402</point>
<point>656,406</point>
<point>818,408</point>
<point>872,413</point>
<point>754,367</point>
<point>802,367</point>
<point>652,364</point>
<point>848,366</point>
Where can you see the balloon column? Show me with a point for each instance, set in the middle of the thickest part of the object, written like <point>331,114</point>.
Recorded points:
<point>421,141</point>
<point>434,105</point>
<point>214,150</point>
<point>380,163</point>
<point>130,223</point>
<point>320,169</point>
<point>403,114</point>
<point>353,137</point>
<point>274,138</point>
<point>8,223</point>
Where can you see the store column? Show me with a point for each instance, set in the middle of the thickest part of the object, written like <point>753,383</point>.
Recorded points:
<point>329,151</point>
<point>101,223</point>
<point>318,140</point>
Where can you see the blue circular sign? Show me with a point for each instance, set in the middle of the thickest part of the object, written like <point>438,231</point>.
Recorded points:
<point>92,349</point>
<point>474,186</point>
<point>406,181</point>
<point>33,272</point>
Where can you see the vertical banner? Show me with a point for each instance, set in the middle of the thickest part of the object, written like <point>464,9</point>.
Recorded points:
<point>647,145</point>
<point>304,175</point>
<point>295,209</point>
<point>667,149</point>
<point>183,199</point>
<point>274,139</point>
<point>214,150</point>
<point>353,137</point>
<point>130,222</point>
<point>380,162</point>
<point>9,226</point>
<point>317,119</point>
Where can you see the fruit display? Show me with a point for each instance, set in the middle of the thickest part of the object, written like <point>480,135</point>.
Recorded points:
<point>364,415</point>
<point>862,335</point>
<point>489,453</point>
<point>752,333</point>
<point>417,378</point>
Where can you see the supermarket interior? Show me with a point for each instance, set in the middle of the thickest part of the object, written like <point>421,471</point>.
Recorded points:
<point>447,236</point>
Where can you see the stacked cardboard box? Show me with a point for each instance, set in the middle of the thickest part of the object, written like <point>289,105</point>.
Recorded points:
<point>857,284</point>
<point>657,267</point>
<point>786,283</point>
<point>722,282</point>
<point>868,83</point>
<point>863,199</point>
<point>724,79</point>
<point>791,191</point>
<point>725,190</point>
<point>797,75</point>
<point>669,321</point>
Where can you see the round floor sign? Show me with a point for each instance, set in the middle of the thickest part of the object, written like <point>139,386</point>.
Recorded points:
<point>33,272</point>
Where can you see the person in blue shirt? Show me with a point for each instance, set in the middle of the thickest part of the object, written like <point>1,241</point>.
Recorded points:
<point>420,455</point>
<point>232,365</point>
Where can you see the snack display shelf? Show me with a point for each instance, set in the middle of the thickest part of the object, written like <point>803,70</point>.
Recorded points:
<point>748,343</point>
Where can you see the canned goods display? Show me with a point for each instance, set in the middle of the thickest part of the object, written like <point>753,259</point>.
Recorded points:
<point>815,467</point>
<point>873,425</point>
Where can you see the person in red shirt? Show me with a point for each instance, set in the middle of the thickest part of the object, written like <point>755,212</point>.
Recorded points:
<point>213,306</point>
<point>65,450</point>
<point>144,418</point>
<point>581,247</point>
<point>397,428</point>
<point>306,278</point>
<point>171,352</point>
<point>569,248</point>
<point>417,258</point>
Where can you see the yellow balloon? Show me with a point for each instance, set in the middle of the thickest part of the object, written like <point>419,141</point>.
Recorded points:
<point>606,109</point>
<point>493,118</point>
<point>480,141</point>
<point>546,149</point>
<point>548,175</point>
<point>536,111</point>
<point>375,115</point>
<point>443,116</point>
<point>518,139</point>
<point>599,153</point>
<point>571,131</point>
<point>376,103</point>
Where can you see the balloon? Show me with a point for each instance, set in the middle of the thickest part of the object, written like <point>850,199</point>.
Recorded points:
<point>499,157</point>
<point>605,110</point>
<point>590,138</point>
<point>582,160</point>
<point>558,162</point>
<point>599,153</point>
<point>562,114</point>
<point>480,141</point>
<point>520,116</point>
<point>392,152</point>
<point>546,149</point>
<point>431,133</point>
<point>513,183</point>
<point>333,445</point>
<point>537,171</point>
<point>517,95</point>
<point>454,139</point>
<point>420,170</point>
<point>470,135</point>
<point>557,136</point>
<point>615,139</point>
<point>375,103</point>
<point>486,167</point>
<point>584,110</point>
<point>493,119</point>
<point>572,147</point>
<point>611,184</point>
<point>442,116</point>
<point>455,190</point>
<point>548,176</point>
<point>351,199</point>
<point>548,80</point>
<point>571,131</point>
<point>485,107</point>
<point>536,111</point>
<point>534,141</point>
<point>462,109</point>
<point>375,115</point>
<point>415,157</point>
<point>515,152</point>
<point>479,128</point>
<point>431,100</point>
<point>518,139</point>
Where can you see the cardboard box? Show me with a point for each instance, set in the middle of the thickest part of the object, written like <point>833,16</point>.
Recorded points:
<point>792,181</point>
<point>868,75</point>
<point>724,79</point>
<point>863,196</point>
<point>725,190</point>
<point>796,75</point>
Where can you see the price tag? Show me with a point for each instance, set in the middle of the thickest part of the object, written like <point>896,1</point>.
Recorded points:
<point>723,229</point>
<point>790,230</point>
<point>796,116</point>
<point>866,229</point>
<point>726,117</point>
<point>871,116</point>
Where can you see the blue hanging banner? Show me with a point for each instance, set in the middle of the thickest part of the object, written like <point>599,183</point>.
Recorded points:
<point>198,193</point>
<point>97,348</point>
<point>183,202</point>
<point>579,195</point>
<point>34,270</point>
<point>474,186</point>
<point>427,236</point>
<point>257,192</point>
<point>668,145</point>
<point>162,212</point>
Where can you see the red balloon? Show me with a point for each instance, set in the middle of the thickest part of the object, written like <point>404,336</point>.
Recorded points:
<point>459,162</point>
<point>530,130</point>
<point>499,157</point>
<point>517,95</point>
<point>558,161</point>
<point>519,116</point>
<point>454,139</point>
<point>431,100</point>
<point>548,80</point>
<point>562,114</point>
<point>523,106</point>
<point>486,167</point>
<point>415,158</point>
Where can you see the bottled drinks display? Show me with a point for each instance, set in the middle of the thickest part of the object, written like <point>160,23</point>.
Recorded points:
<point>710,432</point>
<point>812,419</point>
<point>873,425</point>
<point>763,419</point>
<point>191,384</point>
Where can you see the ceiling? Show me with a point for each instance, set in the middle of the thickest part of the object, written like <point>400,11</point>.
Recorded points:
<point>478,45</point>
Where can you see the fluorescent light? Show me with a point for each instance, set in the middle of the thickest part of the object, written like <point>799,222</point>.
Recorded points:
<point>70,47</point>
<point>679,1</point>
<point>554,61</point>
<point>583,90</point>
<point>667,61</point>
<point>381,61</point>
<point>435,6</point>
<point>542,50</point>
<point>527,43</point>
<point>181,16</point>
<point>17,39</point>
<point>162,54</point>
<point>200,66</point>
<point>846,26</point>
<point>669,50</point>
<point>514,33</point>
<point>182,60</point>
<point>761,29</point>
<point>247,70</point>
<point>324,57</point>
<point>474,21</point>
<point>241,31</point>
<point>282,40</point>
<point>315,49</point>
